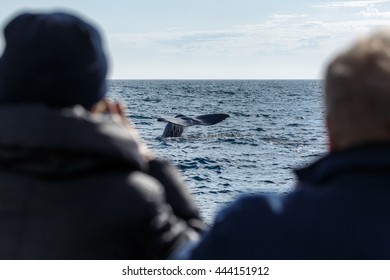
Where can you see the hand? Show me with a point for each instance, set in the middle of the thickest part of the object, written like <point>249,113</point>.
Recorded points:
<point>116,110</point>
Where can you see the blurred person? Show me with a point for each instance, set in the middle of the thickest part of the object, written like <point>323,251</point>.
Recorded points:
<point>340,208</point>
<point>75,180</point>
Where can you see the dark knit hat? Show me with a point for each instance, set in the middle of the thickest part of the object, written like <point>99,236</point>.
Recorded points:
<point>55,59</point>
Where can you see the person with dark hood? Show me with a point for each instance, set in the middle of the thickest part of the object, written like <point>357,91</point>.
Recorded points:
<point>340,208</point>
<point>75,180</point>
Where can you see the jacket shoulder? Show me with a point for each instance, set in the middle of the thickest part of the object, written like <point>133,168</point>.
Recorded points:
<point>244,229</point>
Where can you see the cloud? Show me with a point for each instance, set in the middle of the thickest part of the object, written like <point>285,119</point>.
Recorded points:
<point>370,8</point>
<point>284,34</point>
<point>349,4</point>
<point>286,17</point>
<point>372,11</point>
<point>299,37</point>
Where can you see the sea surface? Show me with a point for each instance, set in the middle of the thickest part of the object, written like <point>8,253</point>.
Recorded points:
<point>274,127</point>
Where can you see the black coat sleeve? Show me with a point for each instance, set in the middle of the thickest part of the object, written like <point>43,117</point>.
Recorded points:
<point>177,193</point>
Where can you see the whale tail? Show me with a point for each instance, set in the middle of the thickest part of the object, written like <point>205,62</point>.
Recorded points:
<point>211,119</point>
<point>175,126</point>
<point>172,130</point>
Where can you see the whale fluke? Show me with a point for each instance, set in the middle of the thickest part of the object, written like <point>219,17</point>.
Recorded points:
<point>175,126</point>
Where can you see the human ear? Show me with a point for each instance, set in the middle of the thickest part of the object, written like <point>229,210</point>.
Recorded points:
<point>331,137</point>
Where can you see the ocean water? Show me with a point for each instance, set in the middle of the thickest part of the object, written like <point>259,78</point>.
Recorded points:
<point>274,127</point>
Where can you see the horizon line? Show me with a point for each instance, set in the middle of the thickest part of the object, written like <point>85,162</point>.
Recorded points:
<point>217,79</point>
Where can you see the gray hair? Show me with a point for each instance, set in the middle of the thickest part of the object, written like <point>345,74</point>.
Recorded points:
<point>357,92</point>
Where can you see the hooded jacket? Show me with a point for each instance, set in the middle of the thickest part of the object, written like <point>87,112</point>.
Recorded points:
<point>74,185</point>
<point>340,209</point>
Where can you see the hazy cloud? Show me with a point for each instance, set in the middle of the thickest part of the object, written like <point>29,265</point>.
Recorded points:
<point>279,34</point>
<point>302,38</point>
<point>349,4</point>
<point>372,11</point>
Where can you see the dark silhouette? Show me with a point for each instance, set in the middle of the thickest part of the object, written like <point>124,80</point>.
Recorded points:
<point>75,180</point>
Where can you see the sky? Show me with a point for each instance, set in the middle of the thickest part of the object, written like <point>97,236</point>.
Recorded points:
<point>218,39</point>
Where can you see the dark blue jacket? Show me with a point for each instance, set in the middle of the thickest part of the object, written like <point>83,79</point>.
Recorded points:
<point>340,209</point>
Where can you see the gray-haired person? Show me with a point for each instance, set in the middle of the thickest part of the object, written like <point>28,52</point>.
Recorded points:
<point>340,208</point>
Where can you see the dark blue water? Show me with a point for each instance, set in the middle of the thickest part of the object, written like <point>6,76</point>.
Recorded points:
<point>274,127</point>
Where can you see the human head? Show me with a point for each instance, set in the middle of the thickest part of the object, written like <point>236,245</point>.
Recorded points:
<point>55,59</point>
<point>357,93</point>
